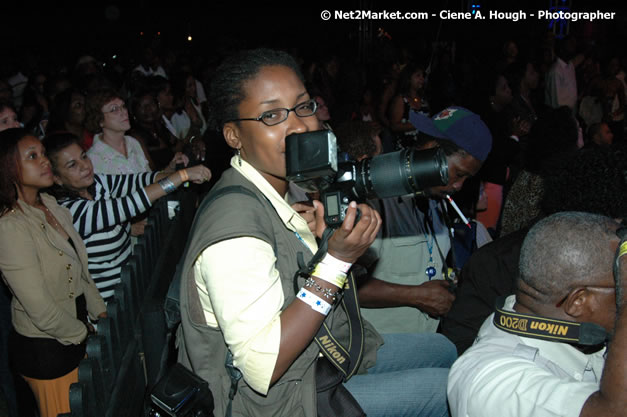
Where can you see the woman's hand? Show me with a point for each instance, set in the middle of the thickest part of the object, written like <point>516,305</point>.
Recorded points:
<point>198,174</point>
<point>351,240</point>
<point>179,158</point>
<point>313,213</point>
<point>137,228</point>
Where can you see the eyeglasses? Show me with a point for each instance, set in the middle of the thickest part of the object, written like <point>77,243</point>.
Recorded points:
<point>559,304</point>
<point>116,109</point>
<point>276,116</point>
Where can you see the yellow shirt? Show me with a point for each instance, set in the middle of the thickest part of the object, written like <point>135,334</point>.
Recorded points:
<point>240,289</point>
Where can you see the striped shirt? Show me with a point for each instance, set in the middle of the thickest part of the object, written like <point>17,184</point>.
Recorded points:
<point>104,225</point>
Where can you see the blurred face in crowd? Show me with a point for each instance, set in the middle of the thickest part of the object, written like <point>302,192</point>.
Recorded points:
<point>502,92</point>
<point>77,109</point>
<point>35,169</point>
<point>72,168</point>
<point>323,111</point>
<point>146,109</point>
<point>531,76</point>
<point>190,87</point>
<point>263,146</point>
<point>115,116</point>
<point>605,135</point>
<point>165,98</point>
<point>417,80</point>
<point>8,119</point>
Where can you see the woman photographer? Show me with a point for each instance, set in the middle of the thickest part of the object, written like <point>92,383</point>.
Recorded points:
<point>44,262</point>
<point>241,301</point>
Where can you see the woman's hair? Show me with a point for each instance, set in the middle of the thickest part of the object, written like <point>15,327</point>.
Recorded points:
<point>9,161</point>
<point>56,142</point>
<point>404,79</point>
<point>93,108</point>
<point>6,105</point>
<point>356,138</point>
<point>227,87</point>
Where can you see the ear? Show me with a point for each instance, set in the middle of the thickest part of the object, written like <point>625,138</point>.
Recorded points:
<point>232,135</point>
<point>577,303</point>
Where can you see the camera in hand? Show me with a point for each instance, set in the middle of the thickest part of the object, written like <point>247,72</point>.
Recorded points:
<point>312,162</point>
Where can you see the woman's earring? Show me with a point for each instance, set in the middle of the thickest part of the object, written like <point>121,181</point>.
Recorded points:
<point>239,157</point>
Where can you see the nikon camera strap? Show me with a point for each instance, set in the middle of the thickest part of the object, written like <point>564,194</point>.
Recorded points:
<point>345,360</point>
<point>544,328</point>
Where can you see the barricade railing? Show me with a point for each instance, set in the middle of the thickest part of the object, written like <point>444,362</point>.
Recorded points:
<point>126,355</point>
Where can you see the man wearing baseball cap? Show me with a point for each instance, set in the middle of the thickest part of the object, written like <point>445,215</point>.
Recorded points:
<point>406,291</point>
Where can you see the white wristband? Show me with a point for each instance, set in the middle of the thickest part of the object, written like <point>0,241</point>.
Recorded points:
<point>316,303</point>
<point>336,263</point>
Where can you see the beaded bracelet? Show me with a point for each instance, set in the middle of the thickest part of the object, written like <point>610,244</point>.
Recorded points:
<point>167,185</point>
<point>316,303</point>
<point>326,292</point>
<point>330,274</point>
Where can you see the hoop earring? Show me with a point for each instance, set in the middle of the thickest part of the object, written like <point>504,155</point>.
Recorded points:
<point>239,156</point>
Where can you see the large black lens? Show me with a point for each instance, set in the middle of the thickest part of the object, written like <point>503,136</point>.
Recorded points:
<point>400,173</point>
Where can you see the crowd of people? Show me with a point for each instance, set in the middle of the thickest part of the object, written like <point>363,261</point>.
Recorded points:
<point>398,311</point>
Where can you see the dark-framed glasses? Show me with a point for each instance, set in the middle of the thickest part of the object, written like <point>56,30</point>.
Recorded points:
<point>276,116</point>
<point>597,287</point>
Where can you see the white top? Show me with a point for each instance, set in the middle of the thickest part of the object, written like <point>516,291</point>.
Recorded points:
<point>107,160</point>
<point>505,375</point>
<point>240,289</point>
<point>561,85</point>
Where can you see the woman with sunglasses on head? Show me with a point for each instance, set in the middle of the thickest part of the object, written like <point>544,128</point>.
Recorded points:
<point>241,302</point>
<point>101,204</point>
<point>44,263</point>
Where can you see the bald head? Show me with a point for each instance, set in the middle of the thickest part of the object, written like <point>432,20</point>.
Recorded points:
<point>567,250</point>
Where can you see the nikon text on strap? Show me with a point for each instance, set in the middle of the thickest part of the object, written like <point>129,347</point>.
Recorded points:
<point>544,328</point>
<point>345,360</point>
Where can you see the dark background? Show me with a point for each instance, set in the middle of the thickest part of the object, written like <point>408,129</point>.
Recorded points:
<point>105,28</point>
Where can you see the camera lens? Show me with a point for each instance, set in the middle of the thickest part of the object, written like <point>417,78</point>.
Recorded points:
<point>400,173</point>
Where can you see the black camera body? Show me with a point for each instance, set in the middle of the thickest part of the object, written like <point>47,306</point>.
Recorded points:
<point>313,163</point>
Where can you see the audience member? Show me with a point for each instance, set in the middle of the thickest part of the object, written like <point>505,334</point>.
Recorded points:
<point>561,82</point>
<point>592,181</point>
<point>102,205</point>
<point>409,97</point>
<point>8,117</point>
<point>553,137</point>
<point>406,291</point>
<point>112,151</point>
<point>44,263</point>
<point>67,114</point>
<point>543,352</point>
<point>599,134</point>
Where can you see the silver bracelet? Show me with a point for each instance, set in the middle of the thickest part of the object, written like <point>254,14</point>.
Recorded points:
<point>326,292</point>
<point>167,185</point>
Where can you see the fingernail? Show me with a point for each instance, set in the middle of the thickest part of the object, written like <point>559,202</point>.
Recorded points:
<point>353,204</point>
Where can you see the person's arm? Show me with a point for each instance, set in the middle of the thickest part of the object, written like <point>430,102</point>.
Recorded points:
<point>611,398</point>
<point>90,216</point>
<point>431,297</point>
<point>247,298</point>
<point>22,271</point>
<point>397,108</point>
<point>299,322</point>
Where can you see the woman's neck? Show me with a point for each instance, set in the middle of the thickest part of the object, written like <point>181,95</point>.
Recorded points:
<point>29,195</point>
<point>115,140</point>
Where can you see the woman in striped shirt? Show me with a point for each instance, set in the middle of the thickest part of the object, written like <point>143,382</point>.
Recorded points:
<point>102,205</point>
